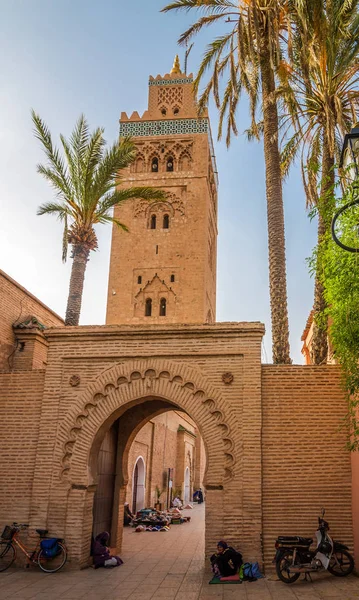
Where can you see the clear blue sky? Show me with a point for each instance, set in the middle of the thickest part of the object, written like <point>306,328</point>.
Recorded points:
<point>68,57</point>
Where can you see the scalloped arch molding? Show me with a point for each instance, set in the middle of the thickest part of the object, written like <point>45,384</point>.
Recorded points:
<point>127,382</point>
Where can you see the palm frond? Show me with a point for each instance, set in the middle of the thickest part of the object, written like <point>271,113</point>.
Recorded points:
<point>50,208</point>
<point>42,133</point>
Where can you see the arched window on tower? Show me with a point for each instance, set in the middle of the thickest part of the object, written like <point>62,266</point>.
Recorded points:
<point>163,304</point>
<point>153,222</point>
<point>154,165</point>
<point>148,307</point>
<point>140,164</point>
<point>166,222</point>
<point>169,164</point>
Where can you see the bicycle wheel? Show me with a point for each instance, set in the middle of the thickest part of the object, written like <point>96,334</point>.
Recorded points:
<point>51,564</point>
<point>7,555</point>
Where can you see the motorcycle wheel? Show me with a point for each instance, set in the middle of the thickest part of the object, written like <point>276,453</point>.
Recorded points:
<point>341,563</point>
<point>283,567</point>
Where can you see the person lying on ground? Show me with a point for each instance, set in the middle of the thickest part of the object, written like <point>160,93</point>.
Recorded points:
<point>101,552</point>
<point>226,561</point>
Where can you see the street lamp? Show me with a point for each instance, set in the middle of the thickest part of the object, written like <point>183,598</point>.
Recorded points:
<point>349,161</point>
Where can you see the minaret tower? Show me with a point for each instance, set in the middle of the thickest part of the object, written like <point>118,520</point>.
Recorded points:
<point>164,269</point>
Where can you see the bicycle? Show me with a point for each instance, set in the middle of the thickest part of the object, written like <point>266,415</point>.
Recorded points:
<point>50,559</point>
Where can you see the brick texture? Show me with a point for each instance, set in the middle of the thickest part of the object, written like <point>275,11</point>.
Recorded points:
<point>175,263</point>
<point>16,303</point>
<point>20,410</point>
<point>305,463</point>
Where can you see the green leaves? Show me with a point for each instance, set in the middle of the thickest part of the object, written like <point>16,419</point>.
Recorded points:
<point>86,180</point>
<point>339,274</point>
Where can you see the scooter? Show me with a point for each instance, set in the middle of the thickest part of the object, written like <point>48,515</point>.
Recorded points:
<point>294,557</point>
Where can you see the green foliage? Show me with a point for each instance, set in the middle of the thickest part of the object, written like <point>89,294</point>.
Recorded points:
<point>340,277</point>
<point>85,177</point>
<point>159,493</point>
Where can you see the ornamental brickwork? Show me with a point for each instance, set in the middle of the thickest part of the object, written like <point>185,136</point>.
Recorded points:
<point>164,269</point>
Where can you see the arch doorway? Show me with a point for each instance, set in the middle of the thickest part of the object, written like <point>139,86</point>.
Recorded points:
<point>106,469</point>
<point>138,485</point>
<point>131,395</point>
<point>186,486</point>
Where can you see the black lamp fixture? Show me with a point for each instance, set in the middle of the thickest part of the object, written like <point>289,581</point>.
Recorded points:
<point>350,152</point>
<point>349,161</point>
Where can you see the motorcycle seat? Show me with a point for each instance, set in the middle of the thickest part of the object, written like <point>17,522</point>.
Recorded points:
<point>294,540</point>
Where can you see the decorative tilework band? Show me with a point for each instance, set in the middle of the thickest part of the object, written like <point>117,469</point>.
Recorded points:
<point>165,127</point>
<point>170,81</point>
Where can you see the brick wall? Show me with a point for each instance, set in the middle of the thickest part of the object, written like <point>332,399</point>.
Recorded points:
<point>305,463</point>
<point>228,417</point>
<point>17,303</point>
<point>20,410</point>
<point>274,449</point>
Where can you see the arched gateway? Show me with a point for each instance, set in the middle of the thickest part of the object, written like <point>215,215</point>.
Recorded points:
<point>133,392</point>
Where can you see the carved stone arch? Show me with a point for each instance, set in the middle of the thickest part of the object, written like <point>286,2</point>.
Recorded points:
<point>139,164</point>
<point>185,161</point>
<point>126,383</point>
<point>158,208</point>
<point>152,156</point>
<point>170,154</point>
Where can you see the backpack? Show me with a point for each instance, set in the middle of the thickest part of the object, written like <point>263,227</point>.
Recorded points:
<point>250,572</point>
<point>50,547</point>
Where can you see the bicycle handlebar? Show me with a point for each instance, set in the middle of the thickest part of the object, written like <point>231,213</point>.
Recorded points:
<point>21,525</point>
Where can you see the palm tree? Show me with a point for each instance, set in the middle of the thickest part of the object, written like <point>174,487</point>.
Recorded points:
<point>86,184</point>
<point>321,97</point>
<point>248,56</point>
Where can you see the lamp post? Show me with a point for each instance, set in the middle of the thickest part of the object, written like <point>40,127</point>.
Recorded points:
<point>349,161</point>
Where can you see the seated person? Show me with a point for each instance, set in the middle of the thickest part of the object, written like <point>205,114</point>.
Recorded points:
<point>177,503</point>
<point>227,560</point>
<point>127,515</point>
<point>101,552</point>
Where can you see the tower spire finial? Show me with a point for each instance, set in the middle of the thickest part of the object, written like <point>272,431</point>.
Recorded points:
<point>176,66</point>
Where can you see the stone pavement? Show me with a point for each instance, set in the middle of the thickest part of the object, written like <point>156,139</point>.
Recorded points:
<point>166,566</point>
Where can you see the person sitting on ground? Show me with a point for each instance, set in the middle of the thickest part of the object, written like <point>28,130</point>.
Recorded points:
<point>177,502</point>
<point>200,496</point>
<point>101,552</point>
<point>127,515</point>
<point>226,561</point>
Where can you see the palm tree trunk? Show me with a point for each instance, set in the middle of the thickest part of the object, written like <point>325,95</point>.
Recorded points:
<point>80,258</point>
<point>319,345</point>
<point>275,216</point>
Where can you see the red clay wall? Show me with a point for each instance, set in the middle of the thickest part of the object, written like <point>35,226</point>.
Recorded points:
<point>305,463</point>
<point>355,500</point>
<point>20,410</point>
<point>17,303</point>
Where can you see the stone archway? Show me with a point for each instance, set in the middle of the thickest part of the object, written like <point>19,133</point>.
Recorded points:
<point>152,385</point>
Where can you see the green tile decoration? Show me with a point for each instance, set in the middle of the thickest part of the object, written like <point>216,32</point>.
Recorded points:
<point>165,127</point>
<point>170,81</point>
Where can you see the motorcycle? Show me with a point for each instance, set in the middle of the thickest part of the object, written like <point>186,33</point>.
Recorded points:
<point>293,555</point>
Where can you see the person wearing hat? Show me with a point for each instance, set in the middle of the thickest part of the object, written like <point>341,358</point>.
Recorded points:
<point>226,561</point>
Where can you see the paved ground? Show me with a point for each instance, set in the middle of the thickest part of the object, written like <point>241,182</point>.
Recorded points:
<point>166,566</point>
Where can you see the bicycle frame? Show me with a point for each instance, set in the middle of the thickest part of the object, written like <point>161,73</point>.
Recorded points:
<point>17,542</point>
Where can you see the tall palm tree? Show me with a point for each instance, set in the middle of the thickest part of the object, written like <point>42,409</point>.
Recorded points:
<point>247,56</point>
<point>320,90</point>
<point>85,181</point>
